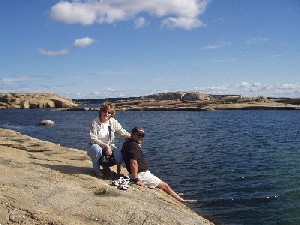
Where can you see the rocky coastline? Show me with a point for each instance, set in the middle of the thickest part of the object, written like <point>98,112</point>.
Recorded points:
<point>193,101</point>
<point>45,183</point>
<point>34,100</point>
<point>170,101</point>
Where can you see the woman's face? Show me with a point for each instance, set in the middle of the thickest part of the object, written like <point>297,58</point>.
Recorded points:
<point>104,116</point>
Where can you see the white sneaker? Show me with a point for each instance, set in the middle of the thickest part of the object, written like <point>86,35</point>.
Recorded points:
<point>118,182</point>
<point>122,183</point>
<point>124,186</point>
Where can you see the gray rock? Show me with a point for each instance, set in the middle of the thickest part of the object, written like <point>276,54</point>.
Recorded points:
<point>46,123</point>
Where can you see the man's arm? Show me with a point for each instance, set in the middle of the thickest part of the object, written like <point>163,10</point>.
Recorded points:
<point>134,171</point>
<point>134,168</point>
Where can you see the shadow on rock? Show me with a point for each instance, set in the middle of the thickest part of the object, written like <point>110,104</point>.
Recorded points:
<point>68,169</point>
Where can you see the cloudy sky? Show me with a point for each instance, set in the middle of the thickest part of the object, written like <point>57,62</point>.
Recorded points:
<point>123,48</point>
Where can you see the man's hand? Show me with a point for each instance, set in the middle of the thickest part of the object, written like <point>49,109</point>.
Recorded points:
<point>140,183</point>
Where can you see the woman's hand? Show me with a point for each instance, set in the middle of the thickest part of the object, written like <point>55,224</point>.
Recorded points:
<point>108,150</point>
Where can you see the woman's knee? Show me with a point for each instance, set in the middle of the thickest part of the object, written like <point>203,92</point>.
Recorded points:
<point>94,151</point>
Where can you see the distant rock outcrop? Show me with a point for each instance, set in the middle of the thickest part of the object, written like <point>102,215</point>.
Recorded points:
<point>193,101</point>
<point>34,100</point>
<point>180,95</point>
<point>197,101</point>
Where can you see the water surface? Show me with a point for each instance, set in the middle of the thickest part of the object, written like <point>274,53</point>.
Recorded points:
<point>242,166</point>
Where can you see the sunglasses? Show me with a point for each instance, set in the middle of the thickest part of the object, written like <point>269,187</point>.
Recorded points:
<point>107,112</point>
<point>140,135</point>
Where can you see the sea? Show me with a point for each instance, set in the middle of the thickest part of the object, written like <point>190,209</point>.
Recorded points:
<point>243,166</point>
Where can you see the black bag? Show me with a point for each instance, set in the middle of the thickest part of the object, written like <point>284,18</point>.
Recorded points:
<point>106,160</point>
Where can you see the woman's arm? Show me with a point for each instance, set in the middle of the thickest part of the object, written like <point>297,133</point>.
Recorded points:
<point>117,127</point>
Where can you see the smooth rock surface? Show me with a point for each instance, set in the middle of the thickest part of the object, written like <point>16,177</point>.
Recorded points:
<point>45,183</point>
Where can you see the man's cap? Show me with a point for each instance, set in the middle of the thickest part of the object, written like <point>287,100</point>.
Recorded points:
<point>137,129</point>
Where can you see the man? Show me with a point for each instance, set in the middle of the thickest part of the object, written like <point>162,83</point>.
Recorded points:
<point>137,166</point>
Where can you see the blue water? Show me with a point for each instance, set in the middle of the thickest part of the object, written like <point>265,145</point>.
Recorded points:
<point>243,167</point>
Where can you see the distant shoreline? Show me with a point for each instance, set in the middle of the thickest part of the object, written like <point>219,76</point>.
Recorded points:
<point>193,101</point>
<point>170,101</point>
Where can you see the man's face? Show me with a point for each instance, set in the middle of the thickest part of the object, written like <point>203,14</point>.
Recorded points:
<point>138,137</point>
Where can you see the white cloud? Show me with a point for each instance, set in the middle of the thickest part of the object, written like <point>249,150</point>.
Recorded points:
<point>254,89</point>
<point>83,42</point>
<point>53,53</point>
<point>182,22</point>
<point>219,20</point>
<point>225,60</point>
<point>13,80</point>
<point>224,89</point>
<point>165,80</point>
<point>173,13</point>
<point>245,89</point>
<point>39,83</point>
<point>257,41</point>
<point>271,90</point>
<point>75,12</point>
<point>78,43</point>
<point>220,43</point>
<point>25,83</point>
<point>139,22</point>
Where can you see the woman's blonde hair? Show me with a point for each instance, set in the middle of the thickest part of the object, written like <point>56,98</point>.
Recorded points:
<point>107,107</point>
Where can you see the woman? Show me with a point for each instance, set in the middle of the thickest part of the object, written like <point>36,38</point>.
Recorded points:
<point>102,135</point>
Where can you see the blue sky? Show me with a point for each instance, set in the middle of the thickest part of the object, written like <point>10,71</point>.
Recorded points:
<point>123,48</point>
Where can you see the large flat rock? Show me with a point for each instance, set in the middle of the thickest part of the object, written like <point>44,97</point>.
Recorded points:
<point>45,183</point>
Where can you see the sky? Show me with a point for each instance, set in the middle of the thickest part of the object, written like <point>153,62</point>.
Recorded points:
<point>129,48</point>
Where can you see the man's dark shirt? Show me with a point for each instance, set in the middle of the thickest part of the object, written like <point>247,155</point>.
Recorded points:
<point>132,150</point>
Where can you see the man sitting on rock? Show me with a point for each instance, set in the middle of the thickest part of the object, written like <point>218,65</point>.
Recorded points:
<point>137,166</point>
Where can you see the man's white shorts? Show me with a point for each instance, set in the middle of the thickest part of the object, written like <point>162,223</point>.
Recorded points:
<point>149,179</point>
